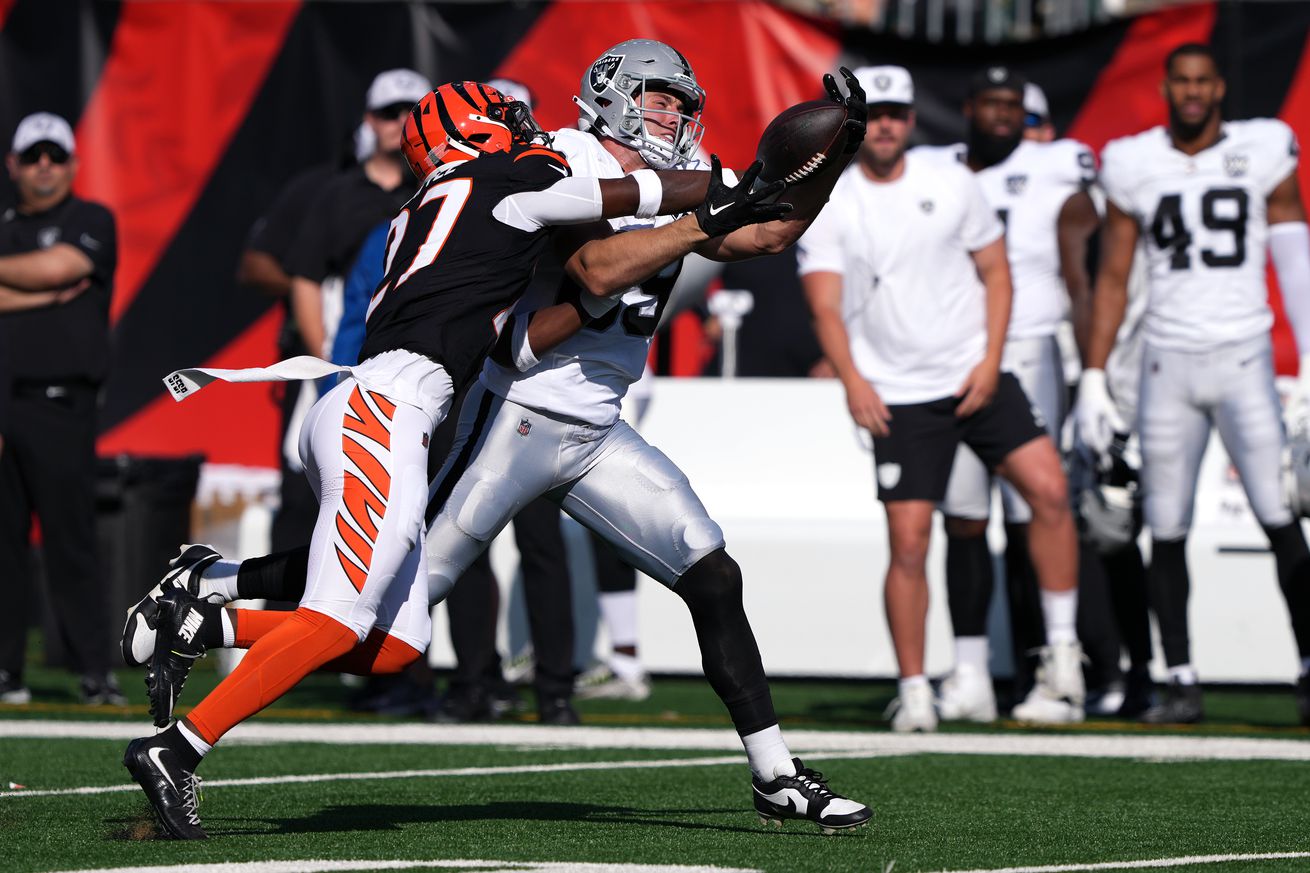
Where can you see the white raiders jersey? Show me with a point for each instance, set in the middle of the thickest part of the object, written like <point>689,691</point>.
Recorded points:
<point>586,376</point>
<point>1203,227</point>
<point>1028,189</point>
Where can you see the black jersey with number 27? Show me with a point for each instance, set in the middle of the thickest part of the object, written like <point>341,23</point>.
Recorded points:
<point>453,271</point>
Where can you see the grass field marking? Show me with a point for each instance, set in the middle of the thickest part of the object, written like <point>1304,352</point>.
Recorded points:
<point>803,742</point>
<point>377,775</point>
<point>319,866</point>
<point>1151,864</point>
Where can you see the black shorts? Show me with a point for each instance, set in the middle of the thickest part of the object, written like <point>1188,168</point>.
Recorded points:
<point>914,462</point>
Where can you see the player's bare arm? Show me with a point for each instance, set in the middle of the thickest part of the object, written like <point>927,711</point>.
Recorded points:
<point>769,238</point>
<point>307,310</point>
<point>823,291</point>
<point>17,300</point>
<point>994,269</point>
<point>1077,223</point>
<point>58,266</point>
<point>1118,244</point>
<point>261,270</point>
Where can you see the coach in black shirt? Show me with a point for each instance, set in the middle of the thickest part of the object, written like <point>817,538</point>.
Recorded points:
<point>62,248</point>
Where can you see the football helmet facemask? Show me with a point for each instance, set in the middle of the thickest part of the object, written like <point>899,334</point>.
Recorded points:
<point>1111,507</point>
<point>613,91</point>
<point>461,120</point>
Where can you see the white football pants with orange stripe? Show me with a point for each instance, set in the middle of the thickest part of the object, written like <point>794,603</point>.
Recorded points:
<point>366,456</point>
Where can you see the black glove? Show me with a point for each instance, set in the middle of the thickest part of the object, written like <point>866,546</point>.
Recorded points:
<point>857,111</point>
<point>726,209</point>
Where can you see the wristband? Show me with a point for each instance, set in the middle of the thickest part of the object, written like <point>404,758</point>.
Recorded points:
<point>651,193</point>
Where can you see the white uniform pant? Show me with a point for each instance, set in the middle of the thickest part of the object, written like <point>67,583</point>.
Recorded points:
<point>1037,364</point>
<point>366,459</point>
<point>1183,394</point>
<point>607,477</point>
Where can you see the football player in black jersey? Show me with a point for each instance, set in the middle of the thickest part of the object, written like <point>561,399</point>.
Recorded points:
<point>458,256</point>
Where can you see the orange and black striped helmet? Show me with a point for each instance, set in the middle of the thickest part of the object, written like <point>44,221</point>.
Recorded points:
<point>461,120</point>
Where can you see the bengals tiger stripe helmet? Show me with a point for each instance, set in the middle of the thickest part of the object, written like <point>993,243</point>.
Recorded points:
<point>461,120</point>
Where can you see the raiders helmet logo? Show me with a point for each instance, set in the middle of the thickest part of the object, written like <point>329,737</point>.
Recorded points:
<point>602,72</point>
<point>1016,184</point>
<point>47,236</point>
<point>889,475</point>
<point>525,427</point>
<point>1236,165</point>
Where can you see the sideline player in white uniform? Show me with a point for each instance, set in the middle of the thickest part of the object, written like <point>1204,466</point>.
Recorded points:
<point>906,273</point>
<point>1206,198</point>
<point>1039,191</point>
<point>547,422</point>
<point>459,256</point>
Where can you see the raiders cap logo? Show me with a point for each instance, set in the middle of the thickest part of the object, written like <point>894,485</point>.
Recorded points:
<point>602,72</point>
<point>882,83</point>
<point>997,74</point>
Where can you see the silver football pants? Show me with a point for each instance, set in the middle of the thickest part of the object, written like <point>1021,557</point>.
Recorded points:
<point>1182,395</point>
<point>608,478</point>
<point>1037,364</point>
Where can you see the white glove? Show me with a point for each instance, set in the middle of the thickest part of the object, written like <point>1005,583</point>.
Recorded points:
<point>1098,418</point>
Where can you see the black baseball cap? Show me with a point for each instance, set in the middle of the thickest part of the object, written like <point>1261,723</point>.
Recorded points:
<point>997,77</point>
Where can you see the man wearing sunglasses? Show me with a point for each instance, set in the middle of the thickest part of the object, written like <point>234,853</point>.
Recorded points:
<point>60,250</point>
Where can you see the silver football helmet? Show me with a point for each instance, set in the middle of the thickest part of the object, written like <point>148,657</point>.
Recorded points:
<point>611,97</point>
<point>1110,507</point>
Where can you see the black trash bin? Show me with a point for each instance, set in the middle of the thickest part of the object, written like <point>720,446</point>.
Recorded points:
<point>143,513</point>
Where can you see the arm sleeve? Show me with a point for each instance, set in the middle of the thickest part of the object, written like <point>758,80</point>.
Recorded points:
<point>820,249</point>
<point>980,227</point>
<point>574,200</point>
<point>92,232</point>
<point>1289,246</point>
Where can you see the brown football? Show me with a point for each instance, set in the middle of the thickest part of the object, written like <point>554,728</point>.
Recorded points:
<point>801,141</point>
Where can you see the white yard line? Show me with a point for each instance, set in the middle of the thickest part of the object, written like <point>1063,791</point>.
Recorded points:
<point>315,866</point>
<point>1154,864</point>
<point>1152,747</point>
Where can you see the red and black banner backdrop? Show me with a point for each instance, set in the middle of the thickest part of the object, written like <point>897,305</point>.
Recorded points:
<point>191,115</point>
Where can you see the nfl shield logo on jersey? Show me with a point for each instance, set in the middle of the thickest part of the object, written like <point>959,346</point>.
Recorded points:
<point>1236,165</point>
<point>525,427</point>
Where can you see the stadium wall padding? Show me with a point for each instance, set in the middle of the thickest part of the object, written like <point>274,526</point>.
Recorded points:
<point>190,116</point>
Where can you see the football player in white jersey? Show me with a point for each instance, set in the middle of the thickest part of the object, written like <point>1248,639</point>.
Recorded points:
<point>546,422</point>
<point>1204,198</point>
<point>906,273</point>
<point>1039,191</point>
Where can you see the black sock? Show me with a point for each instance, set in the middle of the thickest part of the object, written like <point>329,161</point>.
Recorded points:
<point>1169,585</point>
<point>1096,625</point>
<point>1027,625</point>
<point>970,580</point>
<point>1293,561</point>
<point>1127,576</point>
<point>280,576</point>
<point>211,626</point>
<point>712,591</point>
<point>186,753</point>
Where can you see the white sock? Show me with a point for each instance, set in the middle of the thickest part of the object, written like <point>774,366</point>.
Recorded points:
<point>768,755</point>
<point>229,629</point>
<point>909,682</point>
<point>193,739</point>
<point>627,667</point>
<point>1183,674</point>
<point>972,651</point>
<point>619,609</point>
<point>1060,609</point>
<point>220,578</point>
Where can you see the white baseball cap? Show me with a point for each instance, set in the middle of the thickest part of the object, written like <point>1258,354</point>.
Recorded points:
<point>513,89</point>
<point>1034,101</point>
<point>43,127</point>
<point>886,84</point>
<point>396,86</point>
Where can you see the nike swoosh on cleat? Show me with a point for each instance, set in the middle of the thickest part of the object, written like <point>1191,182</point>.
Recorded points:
<point>153,755</point>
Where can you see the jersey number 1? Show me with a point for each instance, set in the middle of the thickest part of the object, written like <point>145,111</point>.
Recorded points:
<point>1172,235</point>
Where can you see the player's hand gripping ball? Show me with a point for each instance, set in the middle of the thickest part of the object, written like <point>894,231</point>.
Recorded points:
<point>804,138</point>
